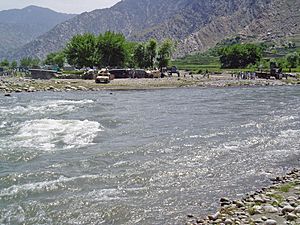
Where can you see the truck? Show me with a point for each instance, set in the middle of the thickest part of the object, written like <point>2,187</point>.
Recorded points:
<point>104,76</point>
<point>173,69</point>
<point>275,71</point>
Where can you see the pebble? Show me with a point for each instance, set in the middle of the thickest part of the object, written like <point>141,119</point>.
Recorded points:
<point>270,222</point>
<point>297,209</point>
<point>228,222</point>
<point>270,209</point>
<point>287,209</point>
<point>291,216</point>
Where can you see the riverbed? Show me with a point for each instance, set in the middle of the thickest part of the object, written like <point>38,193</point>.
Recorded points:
<point>141,157</point>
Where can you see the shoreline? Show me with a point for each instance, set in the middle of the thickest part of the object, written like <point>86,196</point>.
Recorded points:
<point>15,85</point>
<point>277,204</point>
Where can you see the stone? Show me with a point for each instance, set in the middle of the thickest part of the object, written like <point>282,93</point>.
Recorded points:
<point>239,204</point>
<point>291,216</point>
<point>297,209</point>
<point>264,218</point>
<point>228,221</point>
<point>270,209</point>
<point>214,216</point>
<point>270,222</point>
<point>287,209</point>
<point>258,221</point>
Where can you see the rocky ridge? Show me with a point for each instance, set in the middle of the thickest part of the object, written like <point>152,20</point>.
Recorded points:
<point>196,25</point>
<point>20,26</point>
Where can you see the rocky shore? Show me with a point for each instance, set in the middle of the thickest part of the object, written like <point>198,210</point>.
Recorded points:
<point>12,84</point>
<point>278,204</point>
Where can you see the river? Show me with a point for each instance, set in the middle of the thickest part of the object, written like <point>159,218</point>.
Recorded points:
<point>141,157</point>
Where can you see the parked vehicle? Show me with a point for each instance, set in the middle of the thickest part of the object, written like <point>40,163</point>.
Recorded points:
<point>104,76</point>
<point>275,71</point>
<point>173,69</point>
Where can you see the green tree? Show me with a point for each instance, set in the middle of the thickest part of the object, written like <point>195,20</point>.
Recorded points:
<point>139,55</point>
<point>56,58</point>
<point>164,53</point>
<point>29,62</point>
<point>240,55</point>
<point>80,51</point>
<point>150,53</point>
<point>13,65</point>
<point>292,59</point>
<point>4,63</point>
<point>111,50</point>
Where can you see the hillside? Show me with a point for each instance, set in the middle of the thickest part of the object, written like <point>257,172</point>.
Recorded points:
<point>196,25</point>
<point>20,26</point>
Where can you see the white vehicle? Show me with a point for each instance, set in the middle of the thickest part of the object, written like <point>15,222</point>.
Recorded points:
<point>103,76</point>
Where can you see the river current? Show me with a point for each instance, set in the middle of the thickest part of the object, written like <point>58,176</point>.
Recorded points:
<point>140,157</point>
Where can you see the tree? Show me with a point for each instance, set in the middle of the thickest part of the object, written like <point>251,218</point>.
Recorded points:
<point>240,55</point>
<point>164,53</point>
<point>150,53</point>
<point>29,62</point>
<point>139,55</point>
<point>4,63</point>
<point>111,50</point>
<point>13,65</point>
<point>80,51</point>
<point>292,59</point>
<point>56,58</point>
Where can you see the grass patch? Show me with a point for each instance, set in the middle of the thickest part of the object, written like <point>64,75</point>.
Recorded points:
<point>286,187</point>
<point>277,197</point>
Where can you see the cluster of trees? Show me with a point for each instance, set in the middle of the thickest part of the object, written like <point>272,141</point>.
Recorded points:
<point>112,50</point>
<point>240,55</point>
<point>105,50</point>
<point>27,62</point>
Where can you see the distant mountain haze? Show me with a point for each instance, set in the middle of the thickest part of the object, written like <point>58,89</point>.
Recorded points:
<point>20,26</point>
<point>195,25</point>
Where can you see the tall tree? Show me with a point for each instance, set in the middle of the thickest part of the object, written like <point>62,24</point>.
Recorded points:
<point>240,55</point>
<point>56,58</point>
<point>164,53</point>
<point>29,62</point>
<point>111,50</point>
<point>292,59</point>
<point>80,51</point>
<point>4,63</point>
<point>139,55</point>
<point>151,51</point>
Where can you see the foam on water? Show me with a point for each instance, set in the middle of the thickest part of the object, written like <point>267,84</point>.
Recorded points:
<point>49,134</point>
<point>46,107</point>
<point>42,186</point>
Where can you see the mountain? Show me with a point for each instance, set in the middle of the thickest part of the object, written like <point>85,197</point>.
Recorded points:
<point>196,25</point>
<point>20,26</point>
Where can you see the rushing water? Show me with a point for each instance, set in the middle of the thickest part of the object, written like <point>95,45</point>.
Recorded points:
<point>140,157</point>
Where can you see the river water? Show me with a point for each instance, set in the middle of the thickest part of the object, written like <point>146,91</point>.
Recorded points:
<point>140,157</point>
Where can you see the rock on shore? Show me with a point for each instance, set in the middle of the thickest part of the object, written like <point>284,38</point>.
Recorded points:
<point>278,204</point>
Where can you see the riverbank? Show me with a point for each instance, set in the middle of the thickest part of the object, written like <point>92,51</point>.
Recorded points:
<point>13,84</point>
<point>278,204</point>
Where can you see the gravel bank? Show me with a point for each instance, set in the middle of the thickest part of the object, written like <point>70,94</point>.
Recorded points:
<point>278,204</point>
<point>11,84</point>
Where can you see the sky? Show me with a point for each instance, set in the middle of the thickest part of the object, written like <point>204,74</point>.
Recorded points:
<point>66,6</point>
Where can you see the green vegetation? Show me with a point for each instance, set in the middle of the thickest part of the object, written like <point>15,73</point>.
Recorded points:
<point>112,50</point>
<point>56,58</point>
<point>80,51</point>
<point>233,55</point>
<point>286,187</point>
<point>29,62</point>
<point>240,55</point>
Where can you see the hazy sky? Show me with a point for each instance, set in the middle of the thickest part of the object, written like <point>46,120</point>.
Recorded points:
<point>69,6</point>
